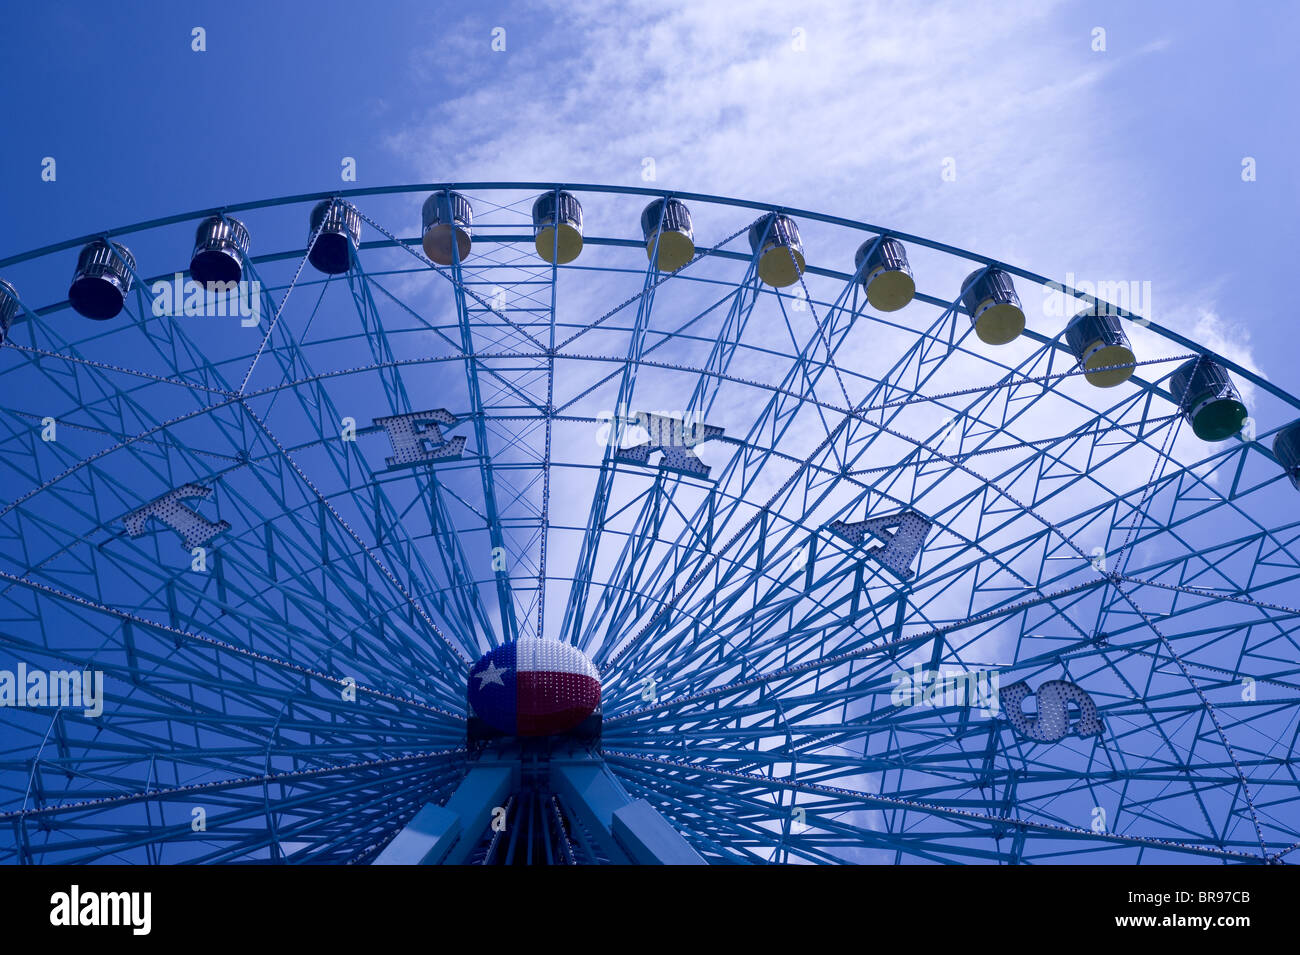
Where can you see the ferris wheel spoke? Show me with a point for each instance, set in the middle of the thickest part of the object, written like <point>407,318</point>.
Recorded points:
<point>277,310</point>
<point>632,554</point>
<point>572,630</point>
<point>544,524</point>
<point>763,534</point>
<point>512,376</point>
<point>127,650</point>
<point>863,765</point>
<point>383,516</point>
<point>127,443</point>
<point>178,587</point>
<point>726,342</point>
<point>472,618</point>
<point>909,494</point>
<point>478,411</point>
<point>775,410</point>
<point>233,809</point>
<point>277,566</point>
<point>877,644</point>
<point>129,771</point>
<point>797,490</point>
<point>653,278</point>
<point>749,825</point>
<point>455,275</point>
<point>1151,530</point>
<point>482,359</point>
<point>1168,723</point>
<point>1165,632</point>
<point>724,346</point>
<point>454,653</point>
<point>1209,710</point>
<point>938,811</point>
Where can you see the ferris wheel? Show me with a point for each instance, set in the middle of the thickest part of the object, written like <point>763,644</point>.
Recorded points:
<point>548,523</point>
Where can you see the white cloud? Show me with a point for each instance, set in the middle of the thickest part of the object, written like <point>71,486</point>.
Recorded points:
<point>858,123</point>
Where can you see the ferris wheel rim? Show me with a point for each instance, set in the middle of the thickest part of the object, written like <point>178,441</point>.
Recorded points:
<point>757,206</point>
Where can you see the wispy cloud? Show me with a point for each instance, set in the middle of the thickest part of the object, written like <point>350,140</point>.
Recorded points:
<point>852,108</point>
<point>846,108</point>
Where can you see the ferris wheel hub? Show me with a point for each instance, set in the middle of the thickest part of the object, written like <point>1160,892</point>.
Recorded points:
<point>532,687</point>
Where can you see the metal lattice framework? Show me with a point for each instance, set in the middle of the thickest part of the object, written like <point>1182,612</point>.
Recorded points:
<point>296,693</point>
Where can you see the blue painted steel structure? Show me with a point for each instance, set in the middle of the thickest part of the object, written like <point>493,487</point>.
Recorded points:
<point>672,462</point>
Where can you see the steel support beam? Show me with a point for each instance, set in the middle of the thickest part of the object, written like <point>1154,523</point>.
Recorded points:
<point>448,834</point>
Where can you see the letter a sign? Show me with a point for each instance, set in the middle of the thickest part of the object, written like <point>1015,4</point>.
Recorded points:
<point>909,531</point>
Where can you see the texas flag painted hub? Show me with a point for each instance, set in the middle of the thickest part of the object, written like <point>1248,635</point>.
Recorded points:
<point>533,687</point>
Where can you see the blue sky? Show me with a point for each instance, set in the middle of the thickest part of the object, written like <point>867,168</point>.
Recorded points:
<point>1115,165</point>
<point>1120,165</point>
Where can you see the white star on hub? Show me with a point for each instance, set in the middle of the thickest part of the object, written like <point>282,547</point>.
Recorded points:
<point>490,674</point>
